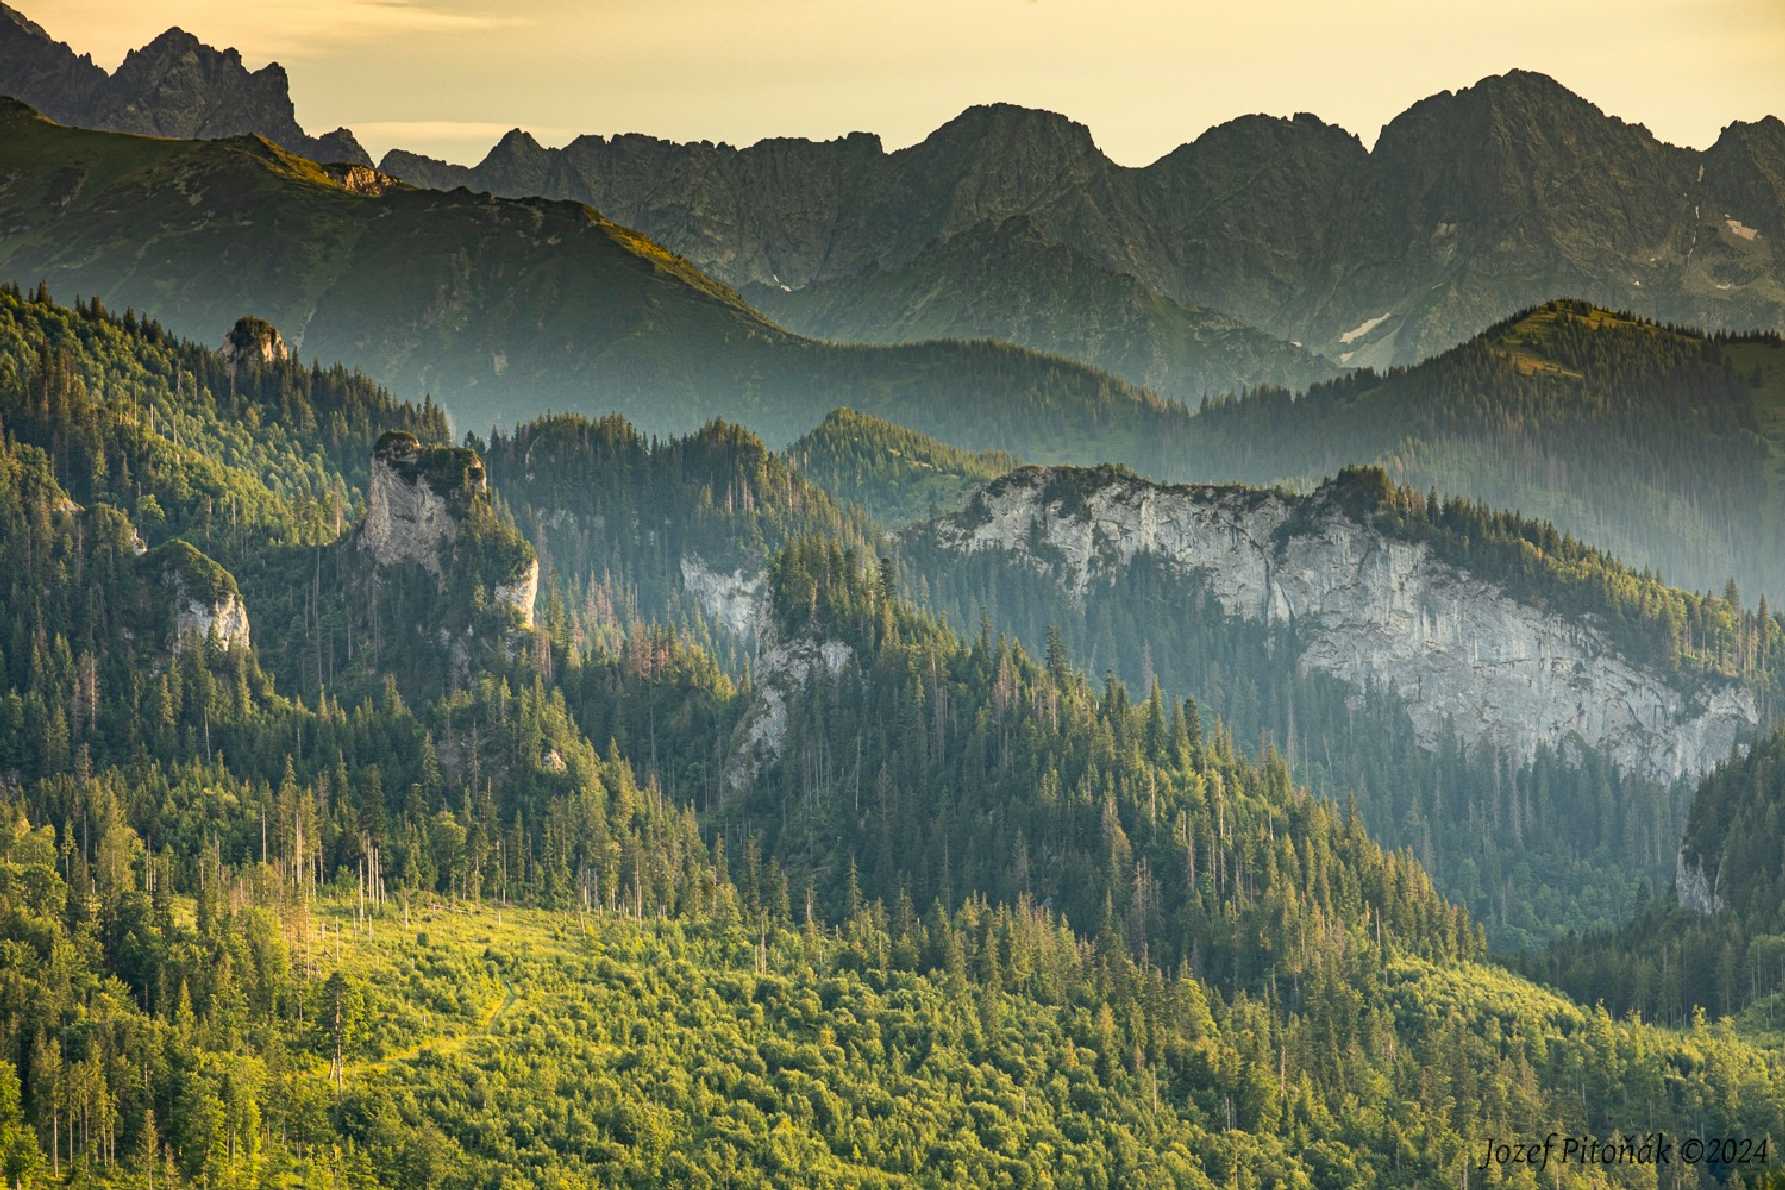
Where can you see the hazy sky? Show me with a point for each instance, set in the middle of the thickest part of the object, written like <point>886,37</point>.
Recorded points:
<point>446,77</point>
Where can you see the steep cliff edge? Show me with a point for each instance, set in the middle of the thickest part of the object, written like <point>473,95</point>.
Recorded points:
<point>202,602</point>
<point>1729,856</point>
<point>1368,608</point>
<point>429,506</point>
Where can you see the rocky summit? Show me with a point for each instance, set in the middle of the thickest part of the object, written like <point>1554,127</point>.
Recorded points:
<point>1471,204</point>
<point>174,86</point>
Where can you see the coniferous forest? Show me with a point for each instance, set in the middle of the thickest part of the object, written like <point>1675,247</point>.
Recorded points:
<point>333,908</point>
<point>497,710</point>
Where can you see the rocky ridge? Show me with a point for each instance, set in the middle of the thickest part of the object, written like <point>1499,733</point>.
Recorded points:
<point>1471,205</point>
<point>1460,652</point>
<point>175,86</point>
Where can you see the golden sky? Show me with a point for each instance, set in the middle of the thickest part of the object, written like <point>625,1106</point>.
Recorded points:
<point>446,77</point>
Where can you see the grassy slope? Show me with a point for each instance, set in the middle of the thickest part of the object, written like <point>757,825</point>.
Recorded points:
<point>501,308</point>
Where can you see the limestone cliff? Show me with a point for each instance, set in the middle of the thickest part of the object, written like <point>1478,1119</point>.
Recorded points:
<point>254,339</point>
<point>203,603</point>
<point>423,502</point>
<point>783,671</point>
<point>1366,607</point>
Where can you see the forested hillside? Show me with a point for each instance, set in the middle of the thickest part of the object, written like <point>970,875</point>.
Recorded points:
<point>563,310</point>
<point>1663,446</point>
<point>674,532</point>
<point>1534,839</point>
<point>445,891</point>
<point>896,474</point>
<point>1715,942</point>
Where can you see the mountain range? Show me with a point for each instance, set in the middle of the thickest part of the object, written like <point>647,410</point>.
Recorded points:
<point>1470,205</point>
<point>175,86</point>
<point>1603,423</point>
<point>702,830</point>
<point>1266,251</point>
<point>500,308</point>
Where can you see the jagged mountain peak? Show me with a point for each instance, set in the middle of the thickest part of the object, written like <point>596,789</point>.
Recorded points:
<point>515,140</point>
<point>179,40</point>
<point>1519,103</point>
<point>176,49</point>
<point>1248,139</point>
<point>1768,130</point>
<point>8,13</point>
<point>176,85</point>
<point>984,121</point>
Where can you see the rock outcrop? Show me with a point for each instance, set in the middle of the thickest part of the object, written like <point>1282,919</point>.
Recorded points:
<point>519,593</point>
<point>1366,607</point>
<point>361,179</point>
<point>738,600</point>
<point>254,339</point>
<point>422,500</point>
<point>175,86</point>
<point>416,500</point>
<point>204,605</point>
<point>1695,888</point>
<point>783,671</point>
<point>197,621</point>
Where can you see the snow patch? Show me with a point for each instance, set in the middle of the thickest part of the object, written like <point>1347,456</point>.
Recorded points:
<point>1365,327</point>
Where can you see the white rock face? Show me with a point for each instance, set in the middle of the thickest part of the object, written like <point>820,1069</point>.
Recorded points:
<point>1696,889</point>
<point>1456,648</point>
<point>409,521</point>
<point>406,520</point>
<point>197,622</point>
<point>782,673</point>
<point>738,600</point>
